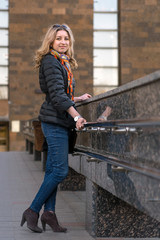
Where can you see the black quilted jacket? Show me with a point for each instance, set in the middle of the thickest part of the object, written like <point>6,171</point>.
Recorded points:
<point>53,81</point>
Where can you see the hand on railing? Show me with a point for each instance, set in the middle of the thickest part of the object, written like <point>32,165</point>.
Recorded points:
<point>82,98</point>
<point>80,123</point>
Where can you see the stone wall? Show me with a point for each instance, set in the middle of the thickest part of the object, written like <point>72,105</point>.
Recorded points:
<point>121,162</point>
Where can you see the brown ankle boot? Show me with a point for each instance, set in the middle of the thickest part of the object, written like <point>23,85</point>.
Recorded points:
<point>51,219</point>
<point>32,220</point>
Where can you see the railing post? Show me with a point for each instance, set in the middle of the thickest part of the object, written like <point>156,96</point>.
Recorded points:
<point>27,145</point>
<point>37,155</point>
<point>30,147</point>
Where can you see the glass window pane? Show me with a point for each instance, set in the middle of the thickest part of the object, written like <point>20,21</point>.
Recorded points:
<point>3,92</point>
<point>105,39</point>
<point>106,76</point>
<point>4,19</point>
<point>4,56</point>
<point>105,57</point>
<point>101,89</point>
<point>3,37</point>
<point>3,75</point>
<point>105,21</point>
<point>3,4</point>
<point>105,5</point>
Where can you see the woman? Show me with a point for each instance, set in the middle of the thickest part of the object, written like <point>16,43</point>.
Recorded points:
<point>57,115</point>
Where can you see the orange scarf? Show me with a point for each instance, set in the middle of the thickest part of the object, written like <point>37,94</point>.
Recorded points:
<point>64,60</point>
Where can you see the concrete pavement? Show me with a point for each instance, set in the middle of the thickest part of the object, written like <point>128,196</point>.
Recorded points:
<point>20,178</point>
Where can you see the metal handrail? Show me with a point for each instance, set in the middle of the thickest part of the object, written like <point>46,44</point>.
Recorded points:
<point>119,126</point>
<point>152,122</point>
<point>122,126</point>
<point>118,161</point>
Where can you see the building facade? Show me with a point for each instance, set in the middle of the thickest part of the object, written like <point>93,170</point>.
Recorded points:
<point>115,42</point>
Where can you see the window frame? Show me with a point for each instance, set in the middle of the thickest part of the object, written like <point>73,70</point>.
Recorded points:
<point>107,47</point>
<point>6,46</point>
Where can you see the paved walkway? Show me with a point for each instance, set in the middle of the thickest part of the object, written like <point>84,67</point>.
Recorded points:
<point>20,178</point>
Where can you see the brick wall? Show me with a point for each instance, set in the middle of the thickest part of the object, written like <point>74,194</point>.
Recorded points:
<point>139,38</point>
<point>4,109</point>
<point>29,20</point>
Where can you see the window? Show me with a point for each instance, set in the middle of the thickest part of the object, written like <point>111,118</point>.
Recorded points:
<point>4,19</point>
<point>4,56</point>
<point>103,21</point>
<point>4,4</point>
<point>3,75</point>
<point>105,39</point>
<point>105,45</point>
<point>3,37</point>
<point>3,92</point>
<point>4,22</point>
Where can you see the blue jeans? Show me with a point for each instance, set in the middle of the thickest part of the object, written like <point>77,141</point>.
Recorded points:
<point>56,166</point>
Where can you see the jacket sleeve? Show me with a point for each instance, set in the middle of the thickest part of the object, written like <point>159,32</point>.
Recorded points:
<point>55,84</point>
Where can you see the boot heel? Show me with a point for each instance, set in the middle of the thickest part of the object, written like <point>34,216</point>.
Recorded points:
<point>23,220</point>
<point>43,225</point>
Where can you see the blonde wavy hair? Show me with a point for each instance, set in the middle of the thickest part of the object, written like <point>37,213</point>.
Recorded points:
<point>49,39</point>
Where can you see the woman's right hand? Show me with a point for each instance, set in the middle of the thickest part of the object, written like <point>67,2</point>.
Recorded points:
<point>80,123</point>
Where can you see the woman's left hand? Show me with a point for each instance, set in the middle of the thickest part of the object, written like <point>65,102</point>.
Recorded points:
<point>82,97</point>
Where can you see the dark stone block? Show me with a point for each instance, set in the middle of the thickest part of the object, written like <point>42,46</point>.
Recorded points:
<point>73,182</point>
<point>112,217</point>
<point>116,218</point>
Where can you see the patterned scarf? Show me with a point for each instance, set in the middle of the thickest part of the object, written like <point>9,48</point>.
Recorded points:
<point>64,60</point>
